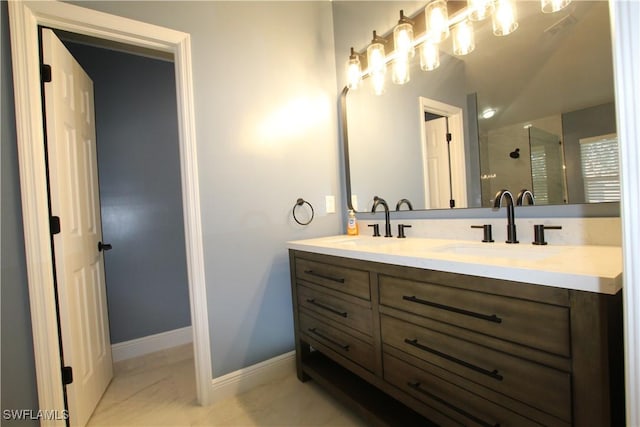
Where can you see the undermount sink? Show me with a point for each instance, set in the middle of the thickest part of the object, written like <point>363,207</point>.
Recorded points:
<point>499,250</point>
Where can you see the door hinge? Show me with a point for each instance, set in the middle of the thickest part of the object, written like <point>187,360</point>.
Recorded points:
<point>67,375</point>
<point>45,73</point>
<point>54,224</point>
<point>448,137</point>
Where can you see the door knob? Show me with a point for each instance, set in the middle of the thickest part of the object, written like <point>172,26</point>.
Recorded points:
<point>104,246</point>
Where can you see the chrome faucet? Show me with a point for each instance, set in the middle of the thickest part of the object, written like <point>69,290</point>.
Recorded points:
<point>511,222</point>
<point>404,201</point>
<point>387,220</point>
<point>525,194</point>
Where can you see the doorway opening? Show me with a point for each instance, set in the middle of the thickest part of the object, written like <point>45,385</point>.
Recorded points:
<point>140,202</point>
<point>140,194</point>
<point>443,154</point>
<point>25,19</point>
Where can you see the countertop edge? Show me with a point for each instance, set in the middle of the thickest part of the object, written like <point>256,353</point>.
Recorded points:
<point>565,280</point>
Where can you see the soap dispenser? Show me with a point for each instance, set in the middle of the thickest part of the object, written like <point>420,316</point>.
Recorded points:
<point>352,224</point>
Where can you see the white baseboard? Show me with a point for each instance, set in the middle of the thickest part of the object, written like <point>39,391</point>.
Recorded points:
<point>152,343</point>
<point>252,376</point>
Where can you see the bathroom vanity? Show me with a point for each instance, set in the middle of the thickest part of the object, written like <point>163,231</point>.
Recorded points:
<point>456,333</point>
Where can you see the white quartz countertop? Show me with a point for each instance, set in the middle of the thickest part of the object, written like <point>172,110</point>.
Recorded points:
<point>585,268</point>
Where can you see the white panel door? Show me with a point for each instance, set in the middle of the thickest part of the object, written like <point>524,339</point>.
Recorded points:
<point>437,164</point>
<point>73,181</point>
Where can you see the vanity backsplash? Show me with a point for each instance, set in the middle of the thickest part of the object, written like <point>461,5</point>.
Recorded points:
<point>575,231</point>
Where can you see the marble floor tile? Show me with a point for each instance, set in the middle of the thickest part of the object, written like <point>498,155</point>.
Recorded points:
<point>159,390</point>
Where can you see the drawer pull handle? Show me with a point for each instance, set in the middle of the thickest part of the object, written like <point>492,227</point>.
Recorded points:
<point>324,276</point>
<point>490,318</point>
<point>493,374</point>
<point>417,386</point>
<point>345,347</point>
<point>326,307</point>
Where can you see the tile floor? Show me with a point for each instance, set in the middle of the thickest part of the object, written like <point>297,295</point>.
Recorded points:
<point>159,390</point>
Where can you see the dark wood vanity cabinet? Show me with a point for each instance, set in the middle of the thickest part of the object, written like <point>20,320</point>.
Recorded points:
<point>408,346</point>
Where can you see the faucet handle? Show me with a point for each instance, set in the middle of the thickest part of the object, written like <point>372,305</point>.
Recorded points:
<point>538,232</point>
<point>401,228</point>
<point>487,236</point>
<point>376,229</point>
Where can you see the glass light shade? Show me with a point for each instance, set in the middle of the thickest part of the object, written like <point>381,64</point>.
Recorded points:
<point>354,71</point>
<point>403,40</point>
<point>376,58</point>
<point>505,17</point>
<point>550,6</point>
<point>437,21</point>
<point>429,56</point>
<point>400,71</point>
<point>480,9</point>
<point>377,81</point>
<point>463,38</point>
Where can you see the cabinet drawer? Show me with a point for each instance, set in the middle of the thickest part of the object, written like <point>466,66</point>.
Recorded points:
<point>536,385</point>
<point>339,341</point>
<point>462,405</point>
<point>541,326</point>
<point>336,309</point>
<point>343,279</point>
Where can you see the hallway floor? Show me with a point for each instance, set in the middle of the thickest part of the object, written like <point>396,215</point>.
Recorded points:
<point>159,390</point>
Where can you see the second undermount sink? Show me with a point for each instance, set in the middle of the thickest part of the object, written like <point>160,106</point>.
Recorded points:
<point>498,250</point>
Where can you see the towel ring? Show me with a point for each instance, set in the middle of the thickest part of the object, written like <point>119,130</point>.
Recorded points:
<point>301,202</point>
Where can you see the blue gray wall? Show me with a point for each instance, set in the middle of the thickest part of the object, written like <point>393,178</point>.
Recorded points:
<point>140,193</point>
<point>18,369</point>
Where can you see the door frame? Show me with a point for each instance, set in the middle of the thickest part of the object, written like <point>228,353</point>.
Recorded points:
<point>456,128</point>
<point>24,18</point>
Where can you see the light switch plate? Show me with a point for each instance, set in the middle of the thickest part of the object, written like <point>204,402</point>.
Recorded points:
<point>330,202</point>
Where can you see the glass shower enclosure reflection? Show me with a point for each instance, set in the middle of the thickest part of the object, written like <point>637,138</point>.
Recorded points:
<point>518,157</point>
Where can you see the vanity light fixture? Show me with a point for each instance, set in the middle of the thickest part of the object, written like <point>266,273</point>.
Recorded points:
<point>550,6</point>
<point>377,62</point>
<point>440,18</point>
<point>480,10</point>
<point>354,71</point>
<point>463,38</point>
<point>437,21</point>
<point>505,17</point>
<point>429,56</point>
